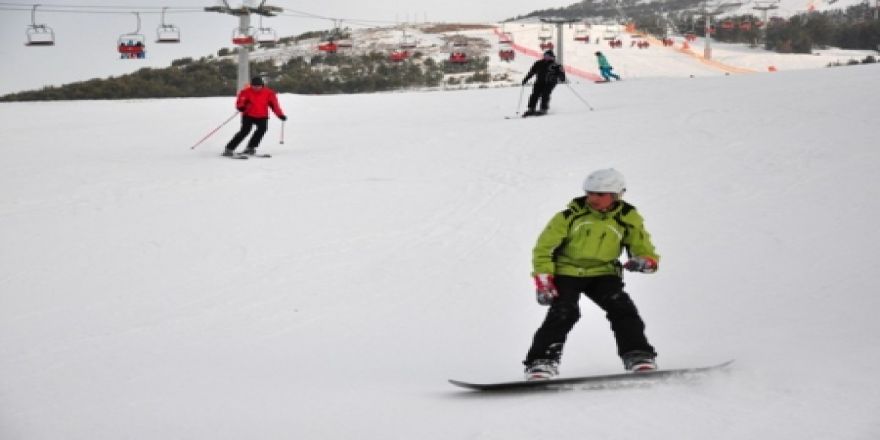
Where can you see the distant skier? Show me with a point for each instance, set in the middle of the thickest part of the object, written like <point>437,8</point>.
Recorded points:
<point>605,68</point>
<point>254,102</point>
<point>547,73</point>
<point>578,253</point>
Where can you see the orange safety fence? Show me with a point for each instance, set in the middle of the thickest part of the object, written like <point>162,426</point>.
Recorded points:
<point>686,49</point>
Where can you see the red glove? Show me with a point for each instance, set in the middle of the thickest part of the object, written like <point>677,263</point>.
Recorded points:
<point>545,288</point>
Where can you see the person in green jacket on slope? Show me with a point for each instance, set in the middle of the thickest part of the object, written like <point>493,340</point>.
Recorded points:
<point>578,253</point>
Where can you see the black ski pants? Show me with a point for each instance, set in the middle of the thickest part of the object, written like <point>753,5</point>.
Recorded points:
<point>607,292</point>
<point>247,123</point>
<point>541,91</point>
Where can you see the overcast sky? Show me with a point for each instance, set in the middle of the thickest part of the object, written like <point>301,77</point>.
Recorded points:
<point>86,41</point>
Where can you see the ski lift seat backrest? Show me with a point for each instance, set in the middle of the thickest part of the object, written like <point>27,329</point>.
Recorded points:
<point>40,35</point>
<point>132,44</point>
<point>329,47</point>
<point>245,38</point>
<point>266,35</point>
<point>407,42</point>
<point>167,33</point>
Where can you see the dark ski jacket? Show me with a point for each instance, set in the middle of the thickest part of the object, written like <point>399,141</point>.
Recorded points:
<point>546,72</point>
<point>256,103</point>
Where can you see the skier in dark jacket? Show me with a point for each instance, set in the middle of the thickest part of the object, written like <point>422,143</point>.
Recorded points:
<point>254,102</point>
<point>547,73</point>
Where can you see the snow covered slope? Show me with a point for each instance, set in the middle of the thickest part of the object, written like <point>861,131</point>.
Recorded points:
<point>671,62</point>
<point>150,291</point>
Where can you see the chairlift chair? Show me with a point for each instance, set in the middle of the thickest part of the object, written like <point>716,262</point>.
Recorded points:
<point>505,38</point>
<point>133,45</point>
<point>546,33</point>
<point>398,56</point>
<point>458,58</point>
<point>167,33</point>
<point>581,34</point>
<point>328,46</point>
<point>39,34</point>
<point>506,53</point>
<point>609,34</point>
<point>266,36</point>
<point>407,42</point>
<point>243,37</point>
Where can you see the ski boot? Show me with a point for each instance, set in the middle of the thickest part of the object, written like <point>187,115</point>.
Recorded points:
<point>542,369</point>
<point>529,112</point>
<point>249,152</point>
<point>639,361</point>
<point>228,153</point>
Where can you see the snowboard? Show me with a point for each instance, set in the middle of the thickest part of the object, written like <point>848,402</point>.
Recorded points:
<point>599,381</point>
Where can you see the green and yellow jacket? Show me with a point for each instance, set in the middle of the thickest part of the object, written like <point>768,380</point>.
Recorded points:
<point>582,242</point>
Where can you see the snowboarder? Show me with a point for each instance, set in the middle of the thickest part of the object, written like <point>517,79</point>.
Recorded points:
<point>578,253</point>
<point>547,73</point>
<point>254,103</point>
<point>605,68</point>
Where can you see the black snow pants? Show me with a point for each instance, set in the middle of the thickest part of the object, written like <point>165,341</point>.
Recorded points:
<point>247,123</point>
<point>607,292</point>
<point>541,91</point>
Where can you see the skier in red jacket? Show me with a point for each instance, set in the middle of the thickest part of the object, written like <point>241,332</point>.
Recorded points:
<point>254,103</point>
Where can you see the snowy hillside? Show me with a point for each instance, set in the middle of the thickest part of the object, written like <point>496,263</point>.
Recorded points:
<point>677,61</point>
<point>150,291</point>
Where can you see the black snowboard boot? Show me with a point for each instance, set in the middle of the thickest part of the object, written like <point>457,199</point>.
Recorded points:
<point>639,361</point>
<point>542,369</point>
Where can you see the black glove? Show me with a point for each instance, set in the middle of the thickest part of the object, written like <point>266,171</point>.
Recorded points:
<point>282,117</point>
<point>241,109</point>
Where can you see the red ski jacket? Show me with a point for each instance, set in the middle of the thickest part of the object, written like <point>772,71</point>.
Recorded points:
<point>256,103</point>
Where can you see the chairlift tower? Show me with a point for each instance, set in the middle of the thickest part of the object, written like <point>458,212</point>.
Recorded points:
<point>707,14</point>
<point>764,8</point>
<point>559,22</point>
<point>244,25</point>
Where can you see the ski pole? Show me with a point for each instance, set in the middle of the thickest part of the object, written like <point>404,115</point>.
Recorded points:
<point>282,132</point>
<point>214,131</point>
<point>579,96</point>
<point>519,103</point>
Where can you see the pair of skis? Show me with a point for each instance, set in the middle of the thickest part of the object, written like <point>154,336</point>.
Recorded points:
<point>247,156</point>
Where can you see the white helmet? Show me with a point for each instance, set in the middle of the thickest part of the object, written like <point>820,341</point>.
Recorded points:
<point>605,181</point>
